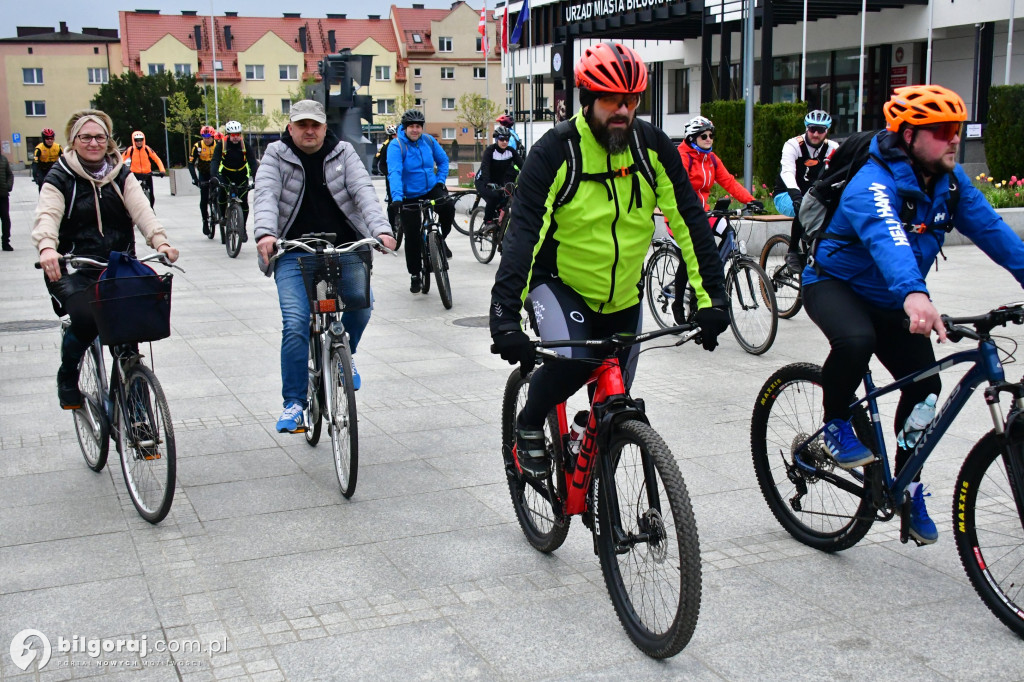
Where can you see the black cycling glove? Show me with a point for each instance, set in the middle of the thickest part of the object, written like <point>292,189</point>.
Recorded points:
<point>797,198</point>
<point>712,322</point>
<point>755,206</point>
<point>515,347</point>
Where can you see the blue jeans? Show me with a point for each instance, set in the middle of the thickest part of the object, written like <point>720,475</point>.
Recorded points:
<point>291,293</point>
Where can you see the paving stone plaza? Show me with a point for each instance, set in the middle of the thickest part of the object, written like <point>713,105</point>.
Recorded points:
<point>263,571</point>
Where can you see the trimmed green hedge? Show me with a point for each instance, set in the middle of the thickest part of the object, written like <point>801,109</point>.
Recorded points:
<point>773,125</point>
<point>1004,134</point>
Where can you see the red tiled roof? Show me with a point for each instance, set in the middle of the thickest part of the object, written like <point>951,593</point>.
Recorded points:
<point>142,31</point>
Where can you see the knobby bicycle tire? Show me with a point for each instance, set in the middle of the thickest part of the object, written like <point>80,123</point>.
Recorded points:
<point>439,264</point>
<point>785,284</point>
<point>537,506</point>
<point>91,425</point>
<point>146,445</point>
<point>235,228</point>
<point>483,242</point>
<point>465,204</point>
<point>654,575</point>
<point>213,211</point>
<point>830,511</point>
<point>988,525</point>
<point>659,283</point>
<point>343,423</point>
<point>752,314</point>
<point>314,391</point>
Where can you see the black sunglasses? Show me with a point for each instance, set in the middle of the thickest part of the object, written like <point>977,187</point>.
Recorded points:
<point>501,138</point>
<point>945,131</point>
<point>706,136</point>
<point>821,130</point>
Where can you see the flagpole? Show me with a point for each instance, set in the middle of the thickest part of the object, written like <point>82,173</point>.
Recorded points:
<point>529,58</point>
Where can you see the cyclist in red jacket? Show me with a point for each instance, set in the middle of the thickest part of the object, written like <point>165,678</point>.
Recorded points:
<point>704,166</point>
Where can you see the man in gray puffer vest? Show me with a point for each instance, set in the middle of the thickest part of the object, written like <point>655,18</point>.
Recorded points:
<point>310,181</point>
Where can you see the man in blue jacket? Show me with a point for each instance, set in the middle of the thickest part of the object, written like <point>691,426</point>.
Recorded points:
<point>417,171</point>
<point>866,281</point>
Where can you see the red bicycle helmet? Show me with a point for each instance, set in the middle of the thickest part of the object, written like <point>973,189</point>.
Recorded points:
<point>206,130</point>
<point>921,105</point>
<point>48,132</point>
<point>505,120</point>
<point>611,68</point>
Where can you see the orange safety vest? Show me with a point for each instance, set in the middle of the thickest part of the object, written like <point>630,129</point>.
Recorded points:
<point>142,162</point>
<point>46,154</point>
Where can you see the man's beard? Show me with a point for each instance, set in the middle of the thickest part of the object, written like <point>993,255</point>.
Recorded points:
<point>937,167</point>
<point>614,141</point>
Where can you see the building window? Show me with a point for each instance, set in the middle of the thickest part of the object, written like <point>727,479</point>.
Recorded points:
<point>447,73</point>
<point>447,133</point>
<point>479,43</point>
<point>382,73</point>
<point>182,70</point>
<point>447,104</point>
<point>385,106</point>
<point>99,76</point>
<point>542,102</point>
<point>509,103</point>
<point>444,44</point>
<point>35,108</point>
<point>32,76</point>
<point>479,72</point>
<point>286,106</point>
<point>416,72</point>
<point>154,69</point>
<point>289,72</point>
<point>680,96</point>
<point>417,87</point>
<point>418,102</point>
<point>218,65</point>
<point>253,72</point>
<point>258,105</point>
<point>417,38</point>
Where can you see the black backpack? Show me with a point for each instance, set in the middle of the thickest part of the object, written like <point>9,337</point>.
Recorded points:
<point>822,199</point>
<point>570,136</point>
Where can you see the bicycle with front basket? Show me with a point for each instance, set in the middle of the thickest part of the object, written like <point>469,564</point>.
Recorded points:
<point>624,482</point>
<point>752,307</point>
<point>432,254</point>
<point>331,395</point>
<point>131,408</point>
<point>831,509</point>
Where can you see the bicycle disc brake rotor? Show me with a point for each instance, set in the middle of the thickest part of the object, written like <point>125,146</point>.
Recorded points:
<point>814,454</point>
<point>653,523</point>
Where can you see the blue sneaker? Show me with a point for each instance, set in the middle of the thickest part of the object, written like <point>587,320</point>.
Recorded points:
<point>842,444</point>
<point>291,420</point>
<point>357,381</point>
<point>922,528</point>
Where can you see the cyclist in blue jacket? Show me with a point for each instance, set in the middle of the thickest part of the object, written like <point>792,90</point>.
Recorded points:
<point>866,281</point>
<point>417,170</point>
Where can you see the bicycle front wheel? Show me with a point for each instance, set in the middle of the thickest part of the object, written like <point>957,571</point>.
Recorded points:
<point>91,425</point>
<point>785,283</point>
<point>342,423</point>
<point>816,501</point>
<point>465,203</point>
<point>235,228</point>
<point>145,441</point>
<point>648,545</point>
<point>988,525</point>
<point>439,264</point>
<point>660,285</point>
<point>483,241</point>
<point>752,314</point>
<point>314,391</point>
<point>538,504</point>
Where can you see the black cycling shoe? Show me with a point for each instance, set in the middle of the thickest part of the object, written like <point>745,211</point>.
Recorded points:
<point>245,236</point>
<point>447,251</point>
<point>532,453</point>
<point>795,262</point>
<point>67,389</point>
<point>206,230</point>
<point>414,285</point>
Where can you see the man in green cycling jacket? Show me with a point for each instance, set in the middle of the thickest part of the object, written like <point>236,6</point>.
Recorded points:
<point>580,258</point>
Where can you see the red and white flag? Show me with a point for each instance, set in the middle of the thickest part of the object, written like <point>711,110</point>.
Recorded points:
<point>504,29</point>
<point>482,29</point>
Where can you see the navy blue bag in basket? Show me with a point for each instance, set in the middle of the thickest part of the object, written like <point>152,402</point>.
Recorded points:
<point>133,302</point>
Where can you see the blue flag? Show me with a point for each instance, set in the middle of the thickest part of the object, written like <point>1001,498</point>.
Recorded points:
<point>524,16</point>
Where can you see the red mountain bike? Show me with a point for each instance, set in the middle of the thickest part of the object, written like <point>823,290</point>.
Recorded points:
<point>634,500</point>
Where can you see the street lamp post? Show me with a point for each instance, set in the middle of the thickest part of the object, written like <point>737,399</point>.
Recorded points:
<point>167,144</point>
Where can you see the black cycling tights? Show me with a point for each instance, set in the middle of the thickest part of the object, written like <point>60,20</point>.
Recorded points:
<point>857,330</point>
<point>411,221</point>
<point>558,312</point>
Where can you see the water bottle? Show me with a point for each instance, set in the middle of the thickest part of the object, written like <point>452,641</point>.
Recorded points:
<point>916,423</point>
<point>579,426</point>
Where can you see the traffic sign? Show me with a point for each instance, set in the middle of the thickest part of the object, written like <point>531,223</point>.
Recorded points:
<point>373,127</point>
<point>16,138</point>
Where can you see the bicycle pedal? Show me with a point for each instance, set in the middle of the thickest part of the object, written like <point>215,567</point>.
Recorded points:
<point>905,520</point>
<point>70,407</point>
<point>150,458</point>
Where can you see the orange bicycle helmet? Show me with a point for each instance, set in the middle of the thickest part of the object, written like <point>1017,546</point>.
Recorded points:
<point>611,68</point>
<point>921,105</point>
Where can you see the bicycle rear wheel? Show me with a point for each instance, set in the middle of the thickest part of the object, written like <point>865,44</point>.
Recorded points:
<point>483,241</point>
<point>648,545</point>
<point>538,504</point>
<point>785,284</point>
<point>752,314</point>
<point>314,391</point>
<point>342,422</point>
<point>439,264</point>
<point>146,445</point>
<point>988,525</point>
<point>660,285</point>
<point>91,425</point>
<point>465,203</point>
<point>819,504</point>
<point>235,228</point>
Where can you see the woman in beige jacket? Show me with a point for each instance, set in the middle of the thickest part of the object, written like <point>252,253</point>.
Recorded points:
<point>87,206</point>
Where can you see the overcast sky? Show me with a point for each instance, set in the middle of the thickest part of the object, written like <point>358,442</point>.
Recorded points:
<point>103,14</point>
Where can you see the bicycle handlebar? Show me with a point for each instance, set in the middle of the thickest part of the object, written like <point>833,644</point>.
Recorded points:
<point>613,343</point>
<point>77,262</point>
<point>983,324</point>
<point>324,244</point>
<point>734,213</point>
